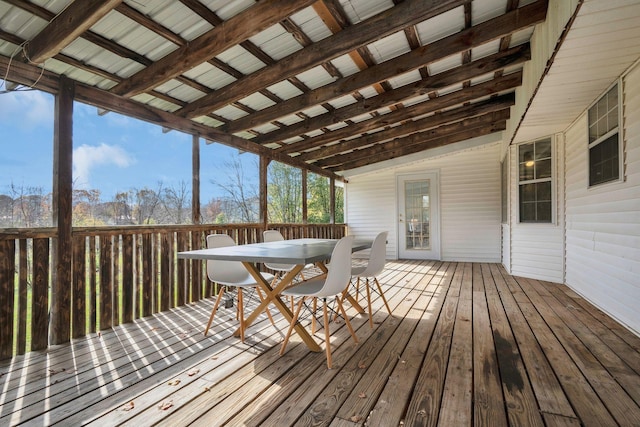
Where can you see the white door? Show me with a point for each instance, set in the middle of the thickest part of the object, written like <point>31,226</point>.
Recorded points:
<point>418,216</point>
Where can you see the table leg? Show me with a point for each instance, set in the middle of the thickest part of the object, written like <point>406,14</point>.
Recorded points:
<point>273,295</point>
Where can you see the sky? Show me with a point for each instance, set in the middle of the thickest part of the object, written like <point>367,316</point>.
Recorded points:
<point>112,153</point>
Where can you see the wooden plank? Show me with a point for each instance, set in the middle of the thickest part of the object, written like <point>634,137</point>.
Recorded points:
<point>117,279</point>
<point>23,300</point>
<point>128,283</point>
<point>148,282</point>
<point>488,398</point>
<point>520,402</point>
<point>390,406</point>
<point>79,308</point>
<point>548,391</point>
<point>7,294</point>
<point>183,270</point>
<point>40,295</point>
<point>106,282</point>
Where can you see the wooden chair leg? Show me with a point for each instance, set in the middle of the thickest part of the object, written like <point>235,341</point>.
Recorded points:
<point>369,302</point>
<point>215,308</point>
<point>357,289</point>
<point>313,318</point>
<point>327,333</point>
<point>241,314</point>
<point>346,320</point>
<point>382,295</point>
<point>294,320</point>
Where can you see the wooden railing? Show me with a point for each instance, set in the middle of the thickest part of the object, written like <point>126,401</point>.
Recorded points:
<point>118,274</point>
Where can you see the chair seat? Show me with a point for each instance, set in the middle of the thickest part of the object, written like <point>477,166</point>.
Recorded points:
<point>248,281</point>
<point>307,288</point>
<point>357,271</point>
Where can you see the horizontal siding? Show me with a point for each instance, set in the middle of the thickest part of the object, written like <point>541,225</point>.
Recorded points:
<point>537,250</point>
<point>469,203</point>
<point>603,223</point>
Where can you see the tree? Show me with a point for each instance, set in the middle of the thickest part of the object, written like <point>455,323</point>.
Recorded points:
<point>147,201</point>
<point>318,199</point>
<point>175,201</point>
<point>284,190</point>
<point>242,196</point>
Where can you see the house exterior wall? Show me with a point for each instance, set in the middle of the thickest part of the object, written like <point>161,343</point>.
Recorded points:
<point>469,203</point>
<point>536,250</point>
<point>603,222</point>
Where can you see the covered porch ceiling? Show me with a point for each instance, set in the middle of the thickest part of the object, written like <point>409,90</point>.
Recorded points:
<point>328,85</point>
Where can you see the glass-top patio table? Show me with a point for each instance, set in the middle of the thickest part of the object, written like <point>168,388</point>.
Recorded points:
<point>299,252</point>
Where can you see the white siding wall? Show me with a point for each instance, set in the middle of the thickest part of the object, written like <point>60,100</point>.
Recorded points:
<point>603,223</point>
<point>469,203</point>
<point>537,250</point>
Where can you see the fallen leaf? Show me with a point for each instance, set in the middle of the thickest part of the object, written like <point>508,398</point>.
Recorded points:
<point>56,371</point>
<point>174,382</point>
<point>165,405</point>
<point>214,358</point>
<point>207,388</point>
<point>193,372</point>
<point>362,395</point>
<point>129,406</point>
<point>356,418</point>
<point>422,412</point>
<point>362,365</point>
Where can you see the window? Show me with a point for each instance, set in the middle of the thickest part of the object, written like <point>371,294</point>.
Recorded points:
<point>604,142</point>
<point>535,181</point>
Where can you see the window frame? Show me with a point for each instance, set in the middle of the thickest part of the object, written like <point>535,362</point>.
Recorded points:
<point>551,179</point>
<point>617,130</point>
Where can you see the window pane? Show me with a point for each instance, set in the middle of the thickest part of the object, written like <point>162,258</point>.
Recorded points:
<point>543,212</point>
<point>528,212</point>
<point>543,192</point>
<point>528,193</point>
<point>526,172</point>
<point>543,169</point>
<point>604,161</point>
<point>526,153</point>
<point>543,149</point>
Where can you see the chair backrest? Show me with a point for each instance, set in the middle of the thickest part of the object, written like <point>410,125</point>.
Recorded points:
<point>377,256</point>
<point>275,236</point>
<point>224,272</point>
<point>339,273</point>
<point>272,236</point>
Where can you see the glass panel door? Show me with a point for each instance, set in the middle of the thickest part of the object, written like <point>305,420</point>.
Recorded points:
<point>418,213</point>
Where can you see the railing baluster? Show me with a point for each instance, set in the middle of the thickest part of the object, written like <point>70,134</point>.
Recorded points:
<point>40,294</point>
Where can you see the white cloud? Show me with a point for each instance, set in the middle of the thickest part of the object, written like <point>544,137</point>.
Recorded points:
<point>27,108</point>
<point>87,157</point>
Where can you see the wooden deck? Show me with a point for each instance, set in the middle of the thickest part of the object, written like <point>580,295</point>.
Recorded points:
<point>467,345</point>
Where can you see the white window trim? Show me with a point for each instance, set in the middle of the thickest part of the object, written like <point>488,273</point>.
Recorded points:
<point>554,205</point>
<point>618,129</point>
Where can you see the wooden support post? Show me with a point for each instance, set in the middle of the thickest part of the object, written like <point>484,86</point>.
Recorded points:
<point>305,176</point>
<point>264,167</point>
<point>195,181</point>
<point>332,200</point>
<point>62,210</point>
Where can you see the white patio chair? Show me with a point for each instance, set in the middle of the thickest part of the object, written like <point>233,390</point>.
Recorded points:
<point>375,265</point>
<point>231,273</point>
<point>336,281</point>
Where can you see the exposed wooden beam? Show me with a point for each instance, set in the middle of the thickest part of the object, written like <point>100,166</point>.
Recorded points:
<point>47,81</point>
<point>458,75</point>
<point>73,21</point>
<point>470,128</point>
<point>229,33</point>
<point>430,122</point>
<point>456,43</point>
<point>60,332</point>
<point>375,28</point>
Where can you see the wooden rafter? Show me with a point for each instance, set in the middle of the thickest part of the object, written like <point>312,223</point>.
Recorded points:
<point>77,18</point>
<point>433,121</point>
<point>375,28</point>
<point>456,43</point>
<point>466,129</point>
<point>451,77</point>
<point>227,34</point>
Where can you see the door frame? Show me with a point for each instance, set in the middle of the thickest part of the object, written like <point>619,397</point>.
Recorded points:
<point>434,220</point>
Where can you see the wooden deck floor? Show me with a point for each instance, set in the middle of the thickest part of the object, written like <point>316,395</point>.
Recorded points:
<point>467,345</point>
